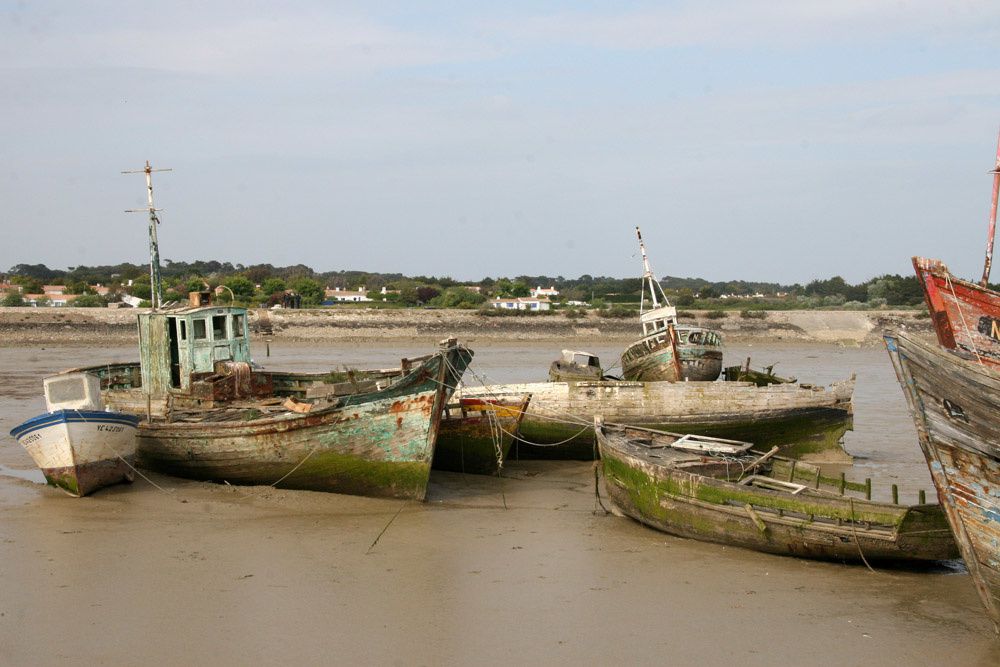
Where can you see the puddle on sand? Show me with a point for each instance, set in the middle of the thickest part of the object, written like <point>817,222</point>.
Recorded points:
<point>35,476</point>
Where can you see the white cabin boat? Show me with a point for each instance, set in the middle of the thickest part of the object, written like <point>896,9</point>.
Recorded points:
<point>78,445</point>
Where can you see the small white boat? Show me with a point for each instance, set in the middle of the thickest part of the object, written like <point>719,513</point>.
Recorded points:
<point>79,446</point>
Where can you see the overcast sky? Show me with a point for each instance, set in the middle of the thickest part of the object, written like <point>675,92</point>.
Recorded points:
<point>761,140</point>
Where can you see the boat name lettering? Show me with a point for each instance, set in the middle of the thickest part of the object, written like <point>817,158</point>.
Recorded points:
<point>111,428</point>
<point>989,326</point>
<point>31,438</point>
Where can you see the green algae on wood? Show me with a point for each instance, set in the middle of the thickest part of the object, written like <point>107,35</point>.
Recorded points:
<point>700,497</point>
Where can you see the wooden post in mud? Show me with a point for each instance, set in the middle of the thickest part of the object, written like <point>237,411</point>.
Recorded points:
<point>868,488</point>
<point>791,471</point>
<point>895,494</point>
<point>843,483</point>
<point>922,497</point>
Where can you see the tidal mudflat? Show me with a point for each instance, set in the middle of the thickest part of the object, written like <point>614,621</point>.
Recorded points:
<point>527,568</point>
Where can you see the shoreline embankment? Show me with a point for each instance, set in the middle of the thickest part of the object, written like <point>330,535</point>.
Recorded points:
<point>21,327</point>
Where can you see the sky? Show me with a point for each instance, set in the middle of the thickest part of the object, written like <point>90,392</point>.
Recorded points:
<point>758,139</point>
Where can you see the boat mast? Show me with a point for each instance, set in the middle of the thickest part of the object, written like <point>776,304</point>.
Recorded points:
<point>156,291</point>
<point>993,219</point>
<point>648,279</point>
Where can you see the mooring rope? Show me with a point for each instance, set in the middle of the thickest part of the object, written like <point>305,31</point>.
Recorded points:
<point>597,488</point>
<point>857,541</point>
<point>386,527</point>
<point>965,325</point>
<point>275,484</point>
<point>169,492</point>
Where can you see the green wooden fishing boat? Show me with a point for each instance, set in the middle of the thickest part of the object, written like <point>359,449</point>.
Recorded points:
<point>210,413</point>
<point>717,493</point>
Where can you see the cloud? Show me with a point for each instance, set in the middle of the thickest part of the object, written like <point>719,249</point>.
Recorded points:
<point>292,43</point>
<point>768,23</point>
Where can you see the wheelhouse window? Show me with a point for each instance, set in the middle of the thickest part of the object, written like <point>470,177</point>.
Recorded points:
<point>183,330</point>
<point>218,327</point>
<point>200,329</point>
<point>238,326</point>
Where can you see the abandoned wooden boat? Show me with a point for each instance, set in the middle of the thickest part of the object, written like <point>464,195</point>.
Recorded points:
<point>79,446</point>
<point>476,434</point>
<point>667,351</point>
<point>966,315</point>
<point>720,495</point>
<point>576,365</point>
<point>210,413</point>
<point>761,378</point>
<point>801,418</point>
<point>955,404</point>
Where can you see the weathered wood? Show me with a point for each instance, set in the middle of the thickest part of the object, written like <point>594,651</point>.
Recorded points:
<point>692,496</point>
<point>791,416</point>
<point>676,353</point>
<point>761,526</point>
<point>761,460</point>
<point>476,435</point>
<point>966,316</point>
<point>955,404</point>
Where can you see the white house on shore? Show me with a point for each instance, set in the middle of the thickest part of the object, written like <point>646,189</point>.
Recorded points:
<point>338,294</point>
<point>546,292</point>
<point>522,303</point>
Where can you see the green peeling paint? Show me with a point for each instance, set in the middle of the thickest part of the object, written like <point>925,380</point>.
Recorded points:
<point>647,493</point>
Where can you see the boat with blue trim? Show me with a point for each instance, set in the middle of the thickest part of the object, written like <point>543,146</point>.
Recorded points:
<point>79,446</point>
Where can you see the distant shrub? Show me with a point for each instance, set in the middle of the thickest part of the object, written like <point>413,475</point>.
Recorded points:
<point>573,313</point>
<point>89,301</point>
<point>618,312</point>
<point>716,314</point>
<point>490,311</point>
<point>753,314</point>
<point>12,299</point>
<point>922,315</point>
<point>685,315</point>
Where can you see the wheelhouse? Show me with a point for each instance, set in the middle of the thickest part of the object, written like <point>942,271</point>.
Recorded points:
<point>178,343</point>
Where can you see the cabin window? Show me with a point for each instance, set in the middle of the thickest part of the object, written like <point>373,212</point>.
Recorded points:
<point>63,391</point>
<point>184,330</point>
<point>237,326</point>
<point>218,327</point>
<point>200,330</point>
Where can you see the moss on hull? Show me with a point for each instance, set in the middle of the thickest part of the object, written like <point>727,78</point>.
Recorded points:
<point>469,453</point>
<point>323,471</point>
<point>698,507</point>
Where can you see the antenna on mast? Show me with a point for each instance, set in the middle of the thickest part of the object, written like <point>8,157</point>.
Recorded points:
<point>655,291</point>
<point>156,292</point>
<point>993,219</point>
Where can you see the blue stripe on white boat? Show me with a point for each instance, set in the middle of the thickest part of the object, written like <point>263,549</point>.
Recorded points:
<point>69,416</point>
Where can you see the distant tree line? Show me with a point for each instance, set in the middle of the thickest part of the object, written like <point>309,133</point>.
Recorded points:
<point>265,284</point>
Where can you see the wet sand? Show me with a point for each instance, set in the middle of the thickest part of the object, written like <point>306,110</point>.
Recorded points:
<point>523,569</point>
